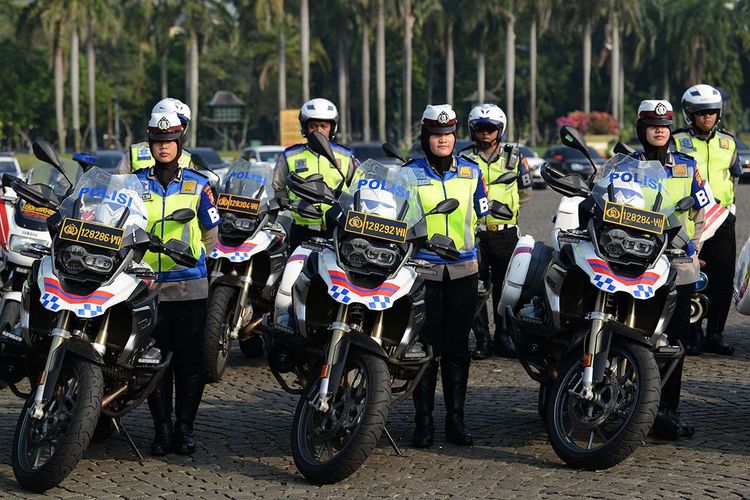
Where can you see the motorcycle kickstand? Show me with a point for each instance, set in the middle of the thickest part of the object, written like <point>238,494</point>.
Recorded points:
<point>393,443</point>
<point>123,431</point>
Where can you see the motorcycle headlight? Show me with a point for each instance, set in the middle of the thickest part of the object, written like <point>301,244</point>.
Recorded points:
<point>76,259</point>
<point>616,243</point>
<point>358,252</point>
<point>18,242</point>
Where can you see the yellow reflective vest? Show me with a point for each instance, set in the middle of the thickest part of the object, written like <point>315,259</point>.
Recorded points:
<point>714,157</point>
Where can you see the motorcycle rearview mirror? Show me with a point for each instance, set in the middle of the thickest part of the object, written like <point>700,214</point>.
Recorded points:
<point>306,209</point>
<point>199,162</point>
<point>9,179</point>
<point>623,149</point>
<point>392,151</point>
<point>446,206</point>
<point>179,251</point>
<point>319,144</point>
<point>685,204</point>
<point>501,210</point>
<point>506,178</point>
<point>572,138</point>
<point>44,151</point>
<point>182,215</point>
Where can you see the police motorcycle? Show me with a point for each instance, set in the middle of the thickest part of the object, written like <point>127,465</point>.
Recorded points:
<point>88,309</point>
<point>23,226</point>
<point>348,312</point>
<point>588,314</point>
<point>246,264</point>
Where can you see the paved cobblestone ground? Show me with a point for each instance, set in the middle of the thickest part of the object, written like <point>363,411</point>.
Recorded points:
<point>244,425</point>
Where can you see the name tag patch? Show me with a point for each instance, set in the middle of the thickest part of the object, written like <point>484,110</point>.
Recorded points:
<point>91,233</point>
<point>240,204</point>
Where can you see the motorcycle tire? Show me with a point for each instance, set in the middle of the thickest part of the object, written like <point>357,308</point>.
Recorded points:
<point>79,388</point>
<point>216,345</point>
<point>640,386</point>
<point>253,346</point>
<point>367,410</point>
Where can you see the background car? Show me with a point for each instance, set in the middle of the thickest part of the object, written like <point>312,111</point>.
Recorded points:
<point>743,153</point>
<point>573,161</point>
<point>262,153</point>
<point>9,164</point>
<point>535,164</point>
<point>210,157</point>
<point>364,151</point>
<point>108,159</point>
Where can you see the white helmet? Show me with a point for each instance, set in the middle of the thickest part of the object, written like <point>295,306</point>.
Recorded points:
<point>172,105</point>
<point>655,112</point>
<point>318,109</point>
<point>439,119</point>
<point>699,98</point>
<point>487,114</point>
<point>164,127</point>
<point>379,202</point>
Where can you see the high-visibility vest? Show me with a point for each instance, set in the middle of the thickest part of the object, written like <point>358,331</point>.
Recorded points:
<point>714,158</point>
<point>504,193</point>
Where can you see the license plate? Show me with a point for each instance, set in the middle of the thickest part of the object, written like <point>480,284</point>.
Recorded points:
<point>634,218</point>
<point>377,227</point>
<point>236,203</point>
<point>91,233</point>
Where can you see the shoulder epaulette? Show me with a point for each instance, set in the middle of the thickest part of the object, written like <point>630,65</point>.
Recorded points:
<point>190,171</point>
<point>339,146</point>
<point>722,131</point>
<point>293,147</point>
<point>470,160</point>
<point>466,148</point>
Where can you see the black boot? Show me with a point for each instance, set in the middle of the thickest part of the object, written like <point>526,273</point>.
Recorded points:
<point>481,329</point>
<point>189,394</point>
<point>424,403</point>
<point>716,344</point>
<point>160,404</point>
<point>669,426</point>
<point>504,345</point>
<point>455,379</point>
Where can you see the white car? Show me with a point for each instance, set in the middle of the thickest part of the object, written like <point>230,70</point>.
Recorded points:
<point>9,164</point>
<point>262,153</point>
<point>535,164</point>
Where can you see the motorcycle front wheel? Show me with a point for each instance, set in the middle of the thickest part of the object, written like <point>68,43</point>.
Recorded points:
<point>216,341</point>
<point>600,433</point>
<point>46,450</point>
<point>330,446</point>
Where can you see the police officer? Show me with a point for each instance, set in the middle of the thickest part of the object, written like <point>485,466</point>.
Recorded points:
<point>497,237</point>
<point>451,293</point>
<point>184,291</point>
<point>322,116</point>
<point>139,155</point>
<point>716,153</point>
<point>683,179</point>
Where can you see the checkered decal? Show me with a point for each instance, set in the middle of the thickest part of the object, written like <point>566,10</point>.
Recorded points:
<point>643,292</point>
<point>89,306</point>
<point>234,254</point>
<point>50,301</point>
<point>344,291</point>
<point>604,283</point>
<point>606,280</point>
<point>89,311</point>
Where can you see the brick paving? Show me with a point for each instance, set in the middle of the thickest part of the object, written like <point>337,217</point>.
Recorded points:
<point>244,425</point>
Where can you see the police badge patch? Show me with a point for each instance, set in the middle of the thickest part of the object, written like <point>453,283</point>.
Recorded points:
<point>143,154</point>
<point>679,170</point>
<point>687,144</point>
<point>724,143</point>
<point>464,172</point>
<point>300,165</point>
<point>188,187</point>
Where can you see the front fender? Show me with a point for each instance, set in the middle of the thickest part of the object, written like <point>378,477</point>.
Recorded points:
<point>351,341</point>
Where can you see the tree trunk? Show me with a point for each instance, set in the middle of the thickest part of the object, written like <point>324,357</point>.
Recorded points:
<point>450,67</point>
<point>366,82</point>
<point>480,77</point>
<point>282,64</point>
<point>408,35</point>
<point>304,20</point>
<point>380,68</point>
<point>532,83</point>
<point>75,87</point>
<point>510,72</point>
<point>91,84</point>
<point>163,62</point>
<point>587,66</point>
<point>188,60</point>
<point>665,76</point>
<point>430,73</point>
<point>59,72</point>
<point>621,93</point>
<point>343,131</point>
<point>615,66</point>
<point>194,81</point>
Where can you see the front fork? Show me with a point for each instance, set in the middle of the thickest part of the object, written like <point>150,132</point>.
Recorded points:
<point>48,377</point>
<point>595,344</point>
<point>334,359</point>
<point>239,309</point>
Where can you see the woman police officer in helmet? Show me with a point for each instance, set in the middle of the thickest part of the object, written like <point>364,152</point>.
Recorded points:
<point>451,293</point>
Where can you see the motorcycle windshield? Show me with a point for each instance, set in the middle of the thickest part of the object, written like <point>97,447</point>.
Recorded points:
<point>45,174</point>
<point>247,188</point>
<point>633,193</point>
<point>381,201</point>
<point>109,200</point>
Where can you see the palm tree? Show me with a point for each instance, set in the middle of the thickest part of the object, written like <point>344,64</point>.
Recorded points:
<point>364,16</point>
<point>481,27</point>
<point>510,66</point>
<point>380,68</point>
<point>408,18</point>
<point>75,87</point>
<point>541,12</point>
<point>304,20</point>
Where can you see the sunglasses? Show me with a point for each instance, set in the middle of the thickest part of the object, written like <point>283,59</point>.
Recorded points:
<point>706,112</point>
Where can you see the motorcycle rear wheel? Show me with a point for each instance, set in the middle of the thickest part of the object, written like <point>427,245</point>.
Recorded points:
<point>216,340</point>
<point>329,447</point>
<point>601,433</point>
<point>61,437</point>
